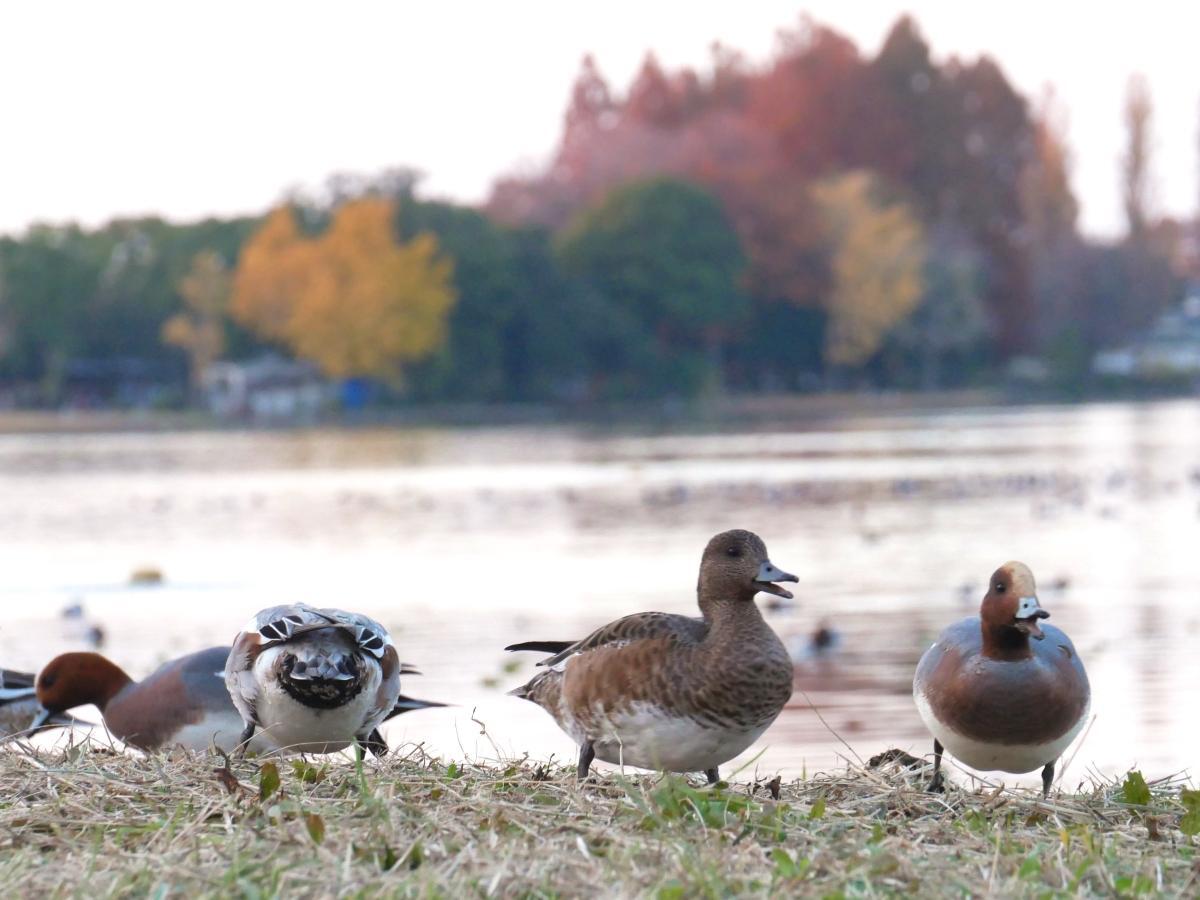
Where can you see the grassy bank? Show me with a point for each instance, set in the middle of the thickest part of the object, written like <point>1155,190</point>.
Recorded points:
<point>90,822</point>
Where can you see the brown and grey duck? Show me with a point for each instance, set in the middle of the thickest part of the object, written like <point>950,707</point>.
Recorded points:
<point>671,692</point>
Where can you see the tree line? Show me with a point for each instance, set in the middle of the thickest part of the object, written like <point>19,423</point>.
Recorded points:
<point>825,219</point>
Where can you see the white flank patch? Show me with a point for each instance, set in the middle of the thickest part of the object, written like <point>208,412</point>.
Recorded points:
<point>647,737</point>
<point>223,729</point>
<point>993,757</point>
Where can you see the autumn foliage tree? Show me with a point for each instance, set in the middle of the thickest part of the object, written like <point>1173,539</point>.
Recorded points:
<point>353,300</point>
<point>878,253</point>
<point>199,328</point>
<point>953,137</point>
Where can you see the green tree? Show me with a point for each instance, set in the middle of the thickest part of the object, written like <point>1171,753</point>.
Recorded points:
<point>665,254</point>
<point>50,278</point>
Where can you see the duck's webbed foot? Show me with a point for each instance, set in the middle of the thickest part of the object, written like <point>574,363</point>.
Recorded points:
<point>712,775</point>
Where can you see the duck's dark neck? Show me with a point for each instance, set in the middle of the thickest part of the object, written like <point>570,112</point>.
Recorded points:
<point>1005,642</point>
<point>730,612</point>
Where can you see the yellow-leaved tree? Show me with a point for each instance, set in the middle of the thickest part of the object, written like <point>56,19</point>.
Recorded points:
<point>199,329</point>
<point>878,253</point>
<point>352,300</point>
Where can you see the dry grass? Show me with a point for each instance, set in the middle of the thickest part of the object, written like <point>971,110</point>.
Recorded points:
<point>89,822</point>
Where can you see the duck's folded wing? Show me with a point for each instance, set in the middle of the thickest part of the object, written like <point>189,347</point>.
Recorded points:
<point>278,624</point>
<point>637,627</point>
<point>15,686</point>
<point>15,680</point>
<point>371,637</point>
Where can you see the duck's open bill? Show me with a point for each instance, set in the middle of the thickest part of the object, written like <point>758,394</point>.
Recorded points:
<point>1028,613</point>
<point>768,574</point>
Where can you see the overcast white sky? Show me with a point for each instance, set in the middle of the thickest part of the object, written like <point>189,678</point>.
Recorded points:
<point>186,109</point>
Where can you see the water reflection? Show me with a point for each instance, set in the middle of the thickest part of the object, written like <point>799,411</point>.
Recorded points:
<point>465,540</point>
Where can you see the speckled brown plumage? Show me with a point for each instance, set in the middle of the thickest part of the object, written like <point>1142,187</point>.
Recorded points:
<point>658,690</point>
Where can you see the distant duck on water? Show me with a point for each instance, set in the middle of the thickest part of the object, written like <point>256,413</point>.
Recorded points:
<point>671,692</point>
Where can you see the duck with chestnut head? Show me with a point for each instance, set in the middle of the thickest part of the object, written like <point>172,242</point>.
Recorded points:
<point>181,704</point>
<point>1002,691</point>
<point>670,692</point>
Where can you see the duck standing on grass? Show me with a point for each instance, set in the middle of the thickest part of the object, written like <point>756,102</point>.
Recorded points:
<point>663,691</point>
<point>182,704</point>
<point>316,679</point>
<point>993,698</point>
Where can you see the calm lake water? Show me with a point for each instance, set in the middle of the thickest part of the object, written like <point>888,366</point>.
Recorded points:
<point>462,541</point>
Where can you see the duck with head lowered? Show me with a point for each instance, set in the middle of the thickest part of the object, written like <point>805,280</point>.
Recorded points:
<point>315,680</point>
<point>671,692</point>
<point>19,706</point>
<point>1001,691</point>
<point>183,703</point>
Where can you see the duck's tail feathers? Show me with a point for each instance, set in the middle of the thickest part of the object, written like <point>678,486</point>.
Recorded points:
<point>542,646</point>
<point>408,704</point>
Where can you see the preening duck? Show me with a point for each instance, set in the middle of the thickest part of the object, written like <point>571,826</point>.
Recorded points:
<point>316,679</point>
<point>664,691</point>
<point>995,699</point>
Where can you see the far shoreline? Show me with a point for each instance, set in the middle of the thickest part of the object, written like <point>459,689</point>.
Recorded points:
<point>720,412</point>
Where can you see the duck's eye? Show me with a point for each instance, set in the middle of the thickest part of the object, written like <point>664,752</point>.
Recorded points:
<point>733,551</point>
<point>1000,587</point>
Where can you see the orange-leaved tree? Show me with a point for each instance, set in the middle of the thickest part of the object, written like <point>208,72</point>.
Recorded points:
<point>199,329</point>
<point>878,251</point>
<point>352,300</point>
